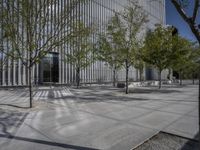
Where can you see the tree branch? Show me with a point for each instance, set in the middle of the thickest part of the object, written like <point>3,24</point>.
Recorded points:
<point>195,12</point>
<point>188,20</point>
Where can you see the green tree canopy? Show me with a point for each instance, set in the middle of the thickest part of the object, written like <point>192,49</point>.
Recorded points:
<point>82,48</point>
<point>109,51</point>
<point>125,30</point>
<point>158,48</point>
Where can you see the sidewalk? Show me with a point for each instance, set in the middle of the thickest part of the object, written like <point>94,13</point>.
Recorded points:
<point>102,117</point>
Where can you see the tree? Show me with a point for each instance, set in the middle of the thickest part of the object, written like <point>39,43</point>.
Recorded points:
<point>139,63</point>
<point>127,27</point>
<point>191,69</point>
<point>187,66</point>
<point>180,66</point>
<point>192,20</point>
<point>108,49</point>
<point>109,53</point>
<point>134,18</point>
<point>82,48</point>
<point>180,58</point>
<point>158,49</point>
<point>34,28</point>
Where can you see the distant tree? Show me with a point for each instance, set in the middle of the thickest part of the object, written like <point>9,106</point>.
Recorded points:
<point>180,67</point>
<point>180,56</point>
<point>158,49</point>
<point>108,52</point>
<point>82,50</point>
<point>191,68</point>
<point>139,63</point>
<point>34,28</point>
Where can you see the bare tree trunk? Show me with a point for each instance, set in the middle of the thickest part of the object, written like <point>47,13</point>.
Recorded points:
<point>169,74</point>
<point>193,78</point>
<point>188,19</point>
<point>30,85</point>
<point>114,77</point>
<point>180,77</point>
<point>78,77</point>
<point>140,72</point>
<point>137,70</point>
<point>159,78</point>
<point>127,69</point>
<point>27,72</point>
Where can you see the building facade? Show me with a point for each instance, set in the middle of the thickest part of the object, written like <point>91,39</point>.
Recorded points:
<point>53,68</point>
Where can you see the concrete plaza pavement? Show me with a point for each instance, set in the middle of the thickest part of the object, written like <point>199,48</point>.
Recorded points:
<point>95,117</point>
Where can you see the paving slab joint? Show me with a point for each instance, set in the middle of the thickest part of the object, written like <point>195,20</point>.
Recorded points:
<point>147,139</point>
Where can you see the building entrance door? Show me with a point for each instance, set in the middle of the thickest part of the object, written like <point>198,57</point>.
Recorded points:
<point>49,68</point>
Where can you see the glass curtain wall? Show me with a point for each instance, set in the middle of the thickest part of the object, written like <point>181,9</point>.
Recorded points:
<point>55,69</point>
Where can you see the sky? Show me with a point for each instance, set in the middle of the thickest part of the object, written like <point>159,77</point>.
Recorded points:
<point>173,18</point>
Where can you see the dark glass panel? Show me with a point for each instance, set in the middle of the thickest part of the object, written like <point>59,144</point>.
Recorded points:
<point>51,68</point>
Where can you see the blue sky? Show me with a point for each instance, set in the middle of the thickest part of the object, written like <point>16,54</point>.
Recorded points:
<point>173,18</point>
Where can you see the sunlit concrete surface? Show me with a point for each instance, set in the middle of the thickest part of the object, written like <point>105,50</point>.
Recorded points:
<point>95,117</point>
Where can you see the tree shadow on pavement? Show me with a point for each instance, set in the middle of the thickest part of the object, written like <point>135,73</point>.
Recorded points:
<point>10,121</point>
<point>153,90</point>
<point>16,106</point>
<point>49,143</point>
<point>99,97</point>
<point>87,94</point>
